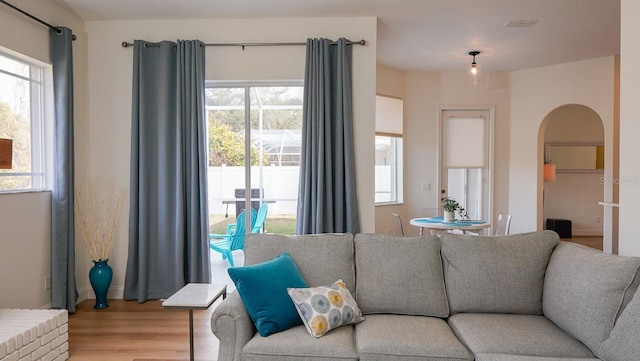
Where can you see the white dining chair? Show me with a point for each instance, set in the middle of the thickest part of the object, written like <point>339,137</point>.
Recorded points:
<point>399,228</point>
<point>503,224</point>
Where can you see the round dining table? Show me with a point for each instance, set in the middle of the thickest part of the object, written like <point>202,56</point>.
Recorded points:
<point>436,224</point>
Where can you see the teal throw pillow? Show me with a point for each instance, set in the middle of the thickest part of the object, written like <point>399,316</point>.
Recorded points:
<point>263,289</point>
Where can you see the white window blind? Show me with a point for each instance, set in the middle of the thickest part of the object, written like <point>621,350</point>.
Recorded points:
<point>464,140</point>
<point>389,115</point>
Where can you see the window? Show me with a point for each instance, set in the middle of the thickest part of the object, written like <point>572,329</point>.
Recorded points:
<point>389,155</point>
<point>254,130</point>
<point>22,121</point>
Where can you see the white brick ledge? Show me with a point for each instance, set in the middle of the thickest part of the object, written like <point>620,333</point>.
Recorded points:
<point>34,335</point>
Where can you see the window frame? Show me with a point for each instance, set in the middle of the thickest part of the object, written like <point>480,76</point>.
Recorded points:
<point>40,123</point>
<point>397,164</point>
<point>248,109</point>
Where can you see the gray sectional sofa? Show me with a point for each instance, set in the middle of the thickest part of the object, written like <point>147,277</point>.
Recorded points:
<point>526,297</point>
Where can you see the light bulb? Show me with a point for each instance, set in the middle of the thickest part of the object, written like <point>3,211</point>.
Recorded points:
<point>474,72</point>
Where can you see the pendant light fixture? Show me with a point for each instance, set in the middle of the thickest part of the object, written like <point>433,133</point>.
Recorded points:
<point>473,77</point>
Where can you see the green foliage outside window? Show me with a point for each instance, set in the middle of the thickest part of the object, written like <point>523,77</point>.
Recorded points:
<point>17,128</point>
<point>227,124</point>
<point>227,147</point>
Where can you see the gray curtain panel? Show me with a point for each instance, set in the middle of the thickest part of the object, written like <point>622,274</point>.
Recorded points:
<point>63,266</point>
<point>327,199</point>
<point>168,220</point>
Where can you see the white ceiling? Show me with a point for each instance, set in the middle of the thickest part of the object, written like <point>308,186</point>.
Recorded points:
<point>422,35</point>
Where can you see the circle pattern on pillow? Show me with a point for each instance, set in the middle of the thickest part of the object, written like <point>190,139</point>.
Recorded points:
<point>320,303</point>
<point>325,308</point>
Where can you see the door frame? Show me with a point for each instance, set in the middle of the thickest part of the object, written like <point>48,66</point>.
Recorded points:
<point>490,109</point>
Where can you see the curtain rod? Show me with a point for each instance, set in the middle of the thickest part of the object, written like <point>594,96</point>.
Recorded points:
<point>243,45</point>
<point>35,18</point>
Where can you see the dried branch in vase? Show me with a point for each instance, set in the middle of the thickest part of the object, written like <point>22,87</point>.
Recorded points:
<point>97,222</point>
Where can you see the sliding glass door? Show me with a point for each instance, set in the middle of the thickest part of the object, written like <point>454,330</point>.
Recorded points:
<point>254,149</point>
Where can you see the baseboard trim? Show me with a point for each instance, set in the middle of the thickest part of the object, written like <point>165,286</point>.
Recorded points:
<point>86,293</point>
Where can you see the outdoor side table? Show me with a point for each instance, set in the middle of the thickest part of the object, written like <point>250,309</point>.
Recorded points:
<point>195,296</point>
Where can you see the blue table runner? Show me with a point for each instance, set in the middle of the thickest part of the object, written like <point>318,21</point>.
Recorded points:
<point>459,222</point>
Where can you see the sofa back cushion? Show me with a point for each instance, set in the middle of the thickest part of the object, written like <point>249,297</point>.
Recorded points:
<point>624,342</point>
<point>321,258</point>
<point>585,291</point>
<point>400,275</point>
<point>496,274</point>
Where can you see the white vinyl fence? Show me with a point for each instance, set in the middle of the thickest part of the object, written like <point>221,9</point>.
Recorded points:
<point>280,185</point>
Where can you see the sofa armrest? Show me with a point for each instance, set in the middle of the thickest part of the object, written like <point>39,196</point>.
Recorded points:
<point>232,325</point>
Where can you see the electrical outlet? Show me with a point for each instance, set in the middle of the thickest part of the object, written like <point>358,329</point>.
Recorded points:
<point>47,282</point>
<point>426,186</point>
<point>597,219</point>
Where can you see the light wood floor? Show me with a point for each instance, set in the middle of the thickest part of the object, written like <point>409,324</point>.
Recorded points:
<point>589,241</point>
<point>128,330</point>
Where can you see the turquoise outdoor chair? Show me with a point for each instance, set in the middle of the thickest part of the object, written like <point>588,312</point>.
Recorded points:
<point>233,239</point>
<point>260,218</point>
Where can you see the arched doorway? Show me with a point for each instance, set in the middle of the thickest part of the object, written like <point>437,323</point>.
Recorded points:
<point>572,137</point>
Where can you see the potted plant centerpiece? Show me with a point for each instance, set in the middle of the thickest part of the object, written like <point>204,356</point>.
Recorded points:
<point>97,224</point>
<point>451,207</point>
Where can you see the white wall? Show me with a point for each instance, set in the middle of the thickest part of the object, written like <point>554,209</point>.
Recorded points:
<point>110,74</point>
<point>426,93</point>
<point>521,101</point>
<point>25,250</point>
<point>421,143</point>
<point>25,218</point>
<point>534,94</point>
<point>629,241</point>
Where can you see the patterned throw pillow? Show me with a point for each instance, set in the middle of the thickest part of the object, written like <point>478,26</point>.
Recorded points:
<point>326,307</point>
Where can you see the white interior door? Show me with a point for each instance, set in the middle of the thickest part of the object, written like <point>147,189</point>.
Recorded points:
<point>466,154</point>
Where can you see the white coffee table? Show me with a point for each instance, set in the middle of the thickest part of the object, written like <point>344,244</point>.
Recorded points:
<point>195,296</point>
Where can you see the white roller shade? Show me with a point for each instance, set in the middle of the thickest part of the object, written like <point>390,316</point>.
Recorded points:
<point>389,115</point>
<point>464,140</point>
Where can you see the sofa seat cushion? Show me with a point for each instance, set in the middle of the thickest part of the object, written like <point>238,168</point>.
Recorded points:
<point>496,274</point>
<point>401,275</point>
<point>408,338</point>
<point>501,357</point>
<point>624,342</point>
<point>321,258</point>
<point>586,290</point>
<point>295,344</point>
<point>526,335</point>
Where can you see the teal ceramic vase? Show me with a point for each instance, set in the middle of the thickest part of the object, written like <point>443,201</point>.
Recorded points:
<point>100,276</point>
